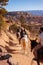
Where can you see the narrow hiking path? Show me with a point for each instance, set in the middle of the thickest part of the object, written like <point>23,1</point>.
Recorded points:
<point>10,41</point>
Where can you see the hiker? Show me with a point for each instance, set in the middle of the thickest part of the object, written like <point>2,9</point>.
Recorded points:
<point>23,32</point>
<point>18,34</point>
<point>24,40</point>
<point>40,42</point>
<point>25,44</point>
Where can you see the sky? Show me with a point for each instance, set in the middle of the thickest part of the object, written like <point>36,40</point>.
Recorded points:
<point>24,5</point>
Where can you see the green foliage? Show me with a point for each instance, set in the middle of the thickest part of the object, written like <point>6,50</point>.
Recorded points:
<point>1,21</point>
<point>3,24</point>
<point>0,25</point>
<point>13,28</point>
<point>3,11</point>
<point>3,2</point>
<point>22,19</point>
<point>1,17</point>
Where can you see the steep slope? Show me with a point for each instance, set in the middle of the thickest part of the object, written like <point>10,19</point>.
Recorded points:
<point>13,47</point>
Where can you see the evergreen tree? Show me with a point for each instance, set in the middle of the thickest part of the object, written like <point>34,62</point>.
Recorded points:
<point>2,12</point>
<point>3,3</point>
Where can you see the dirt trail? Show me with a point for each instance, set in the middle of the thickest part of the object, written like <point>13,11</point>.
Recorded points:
<point>18,56</point>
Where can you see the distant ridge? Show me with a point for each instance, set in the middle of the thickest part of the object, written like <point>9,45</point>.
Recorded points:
<point>33,15</point>
<point>33,12</point>
<point>36,12</point>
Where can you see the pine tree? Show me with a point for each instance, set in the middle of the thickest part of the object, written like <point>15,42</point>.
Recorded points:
<point>2,12</point>
<point>3,2</point>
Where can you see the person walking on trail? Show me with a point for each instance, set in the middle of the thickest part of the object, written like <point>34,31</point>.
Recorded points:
<point>24,40</point>
<point>22,33</point>
<point>40,41</point>
<point>25,44</point>
<point>18,34</point>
